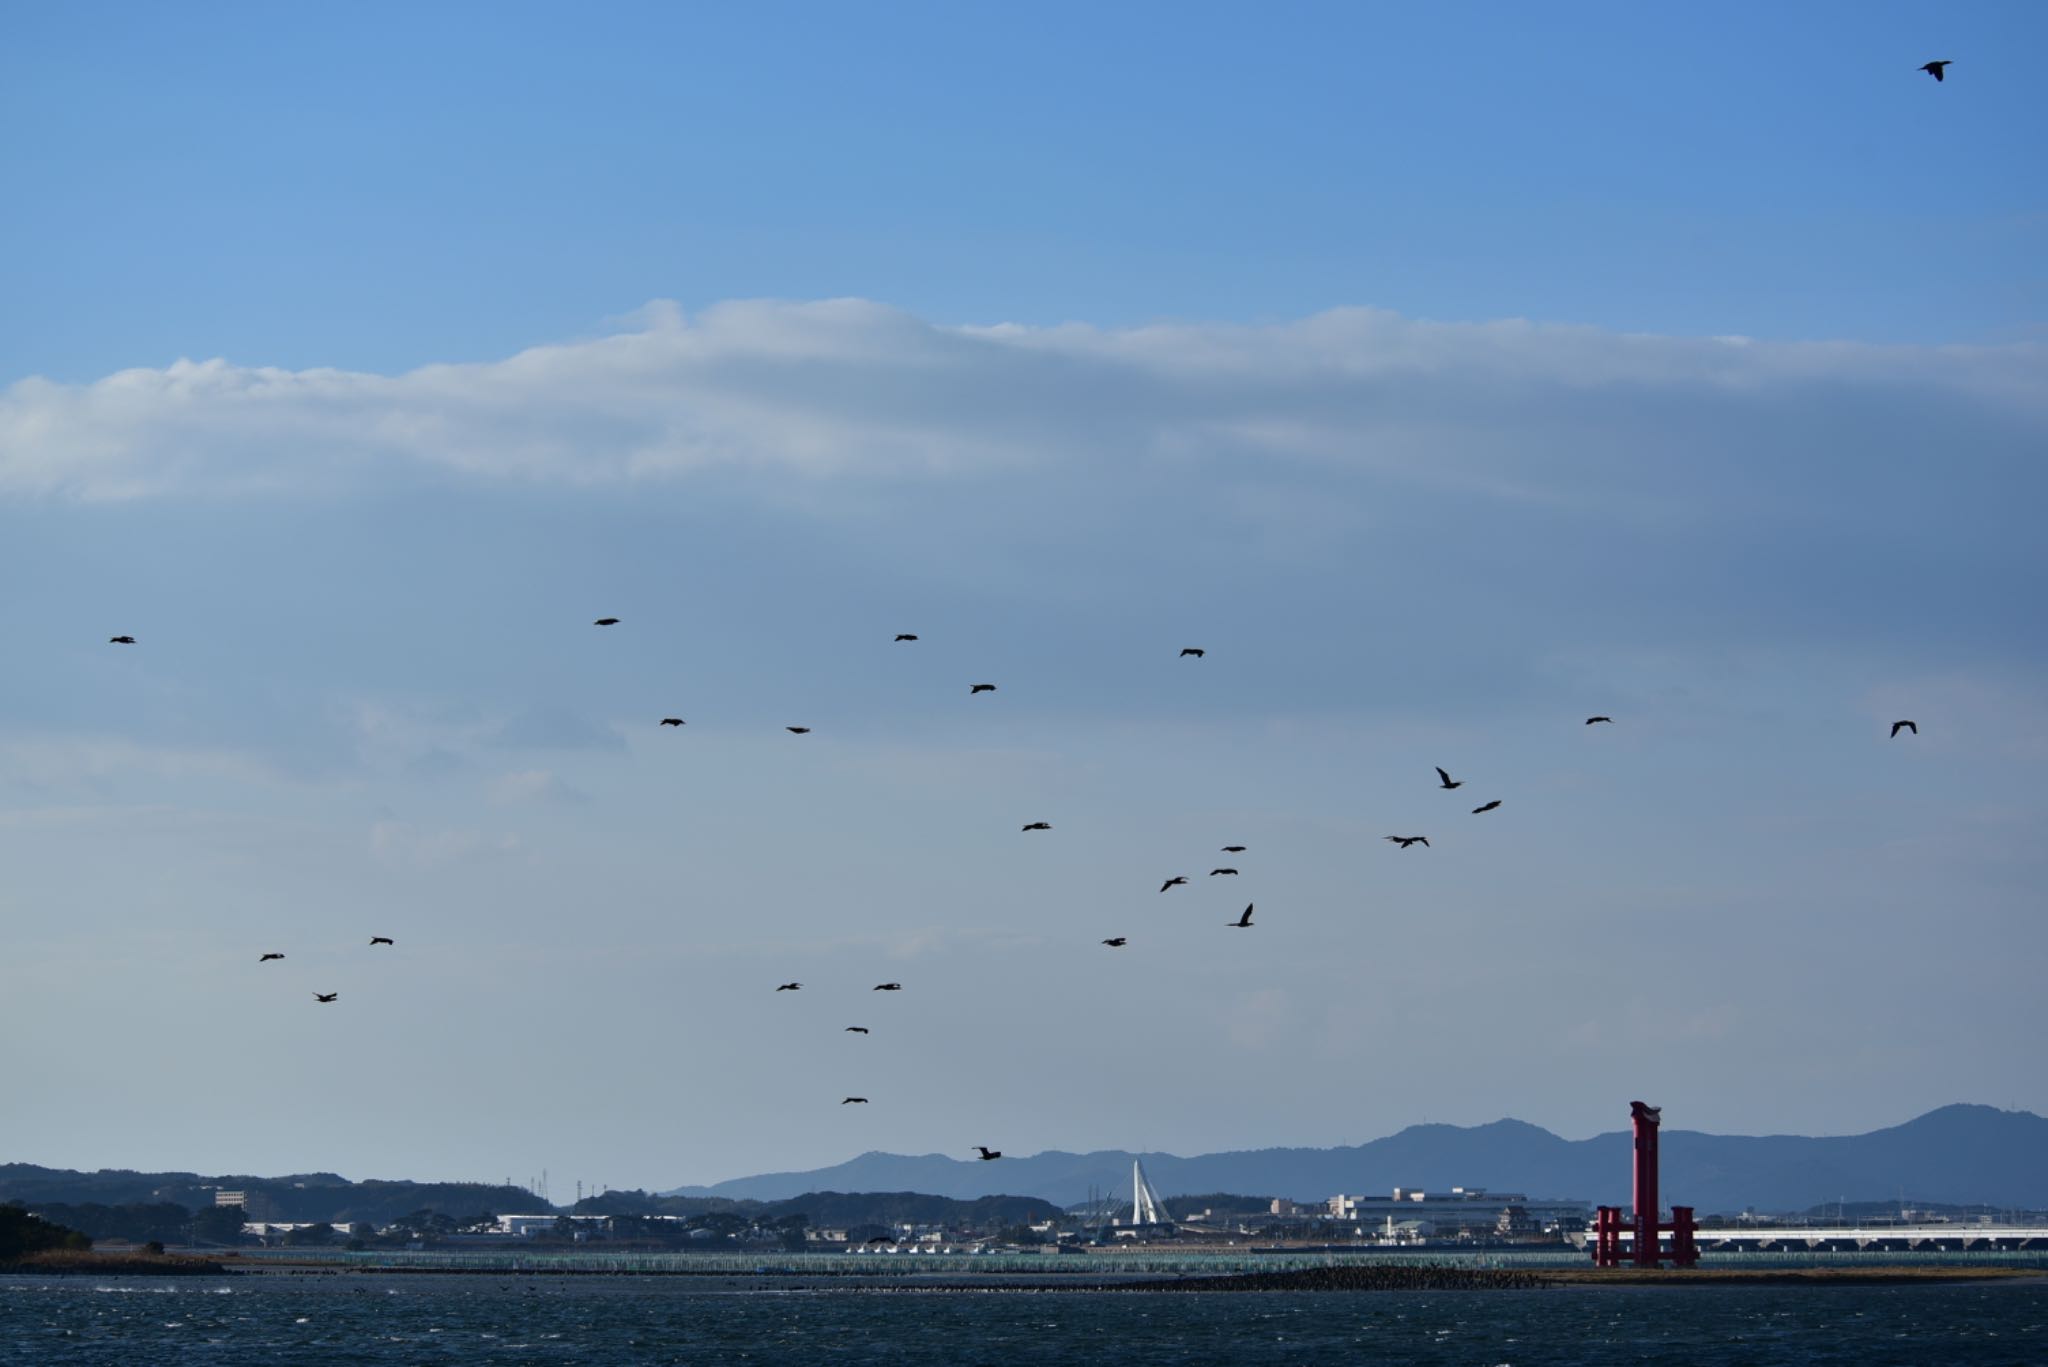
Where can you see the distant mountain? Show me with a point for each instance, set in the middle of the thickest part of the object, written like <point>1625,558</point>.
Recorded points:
<point>1957,1155</point>
<point>300,1196</point>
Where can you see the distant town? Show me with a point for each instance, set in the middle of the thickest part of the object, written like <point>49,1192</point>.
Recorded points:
<point>325,1212</point>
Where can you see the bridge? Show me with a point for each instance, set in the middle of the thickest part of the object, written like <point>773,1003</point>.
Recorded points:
<point>1863,1239</point>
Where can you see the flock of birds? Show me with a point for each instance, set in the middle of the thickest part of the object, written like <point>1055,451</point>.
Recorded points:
<point>1937,69</point>
<point>1445,783</point>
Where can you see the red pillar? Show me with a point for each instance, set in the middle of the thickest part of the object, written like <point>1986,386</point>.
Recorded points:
<point>1646,1120</point>
<point>1684,1251</point>
<point>1607,1236</point>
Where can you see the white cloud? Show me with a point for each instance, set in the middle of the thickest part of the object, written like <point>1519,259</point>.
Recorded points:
<point>849,387</point>
<point>533,785</point>
<point>63,763</point>
<point>398,845</point>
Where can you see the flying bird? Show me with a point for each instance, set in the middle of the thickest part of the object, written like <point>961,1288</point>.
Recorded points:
<point>973,689</point>
<point>1404,841</point>
<point>120,640</point>
<point>1118,943</point>
<point>905,636</point>
<point>798,730</point>
<point>988,1155</point>
<point>1448,781</point>
<point>1039,826</point>
<point>1591,720</point>
<point>1214,872</point>
<point>1195,651</point>
<point>1233,849</point>
<point>855,1101</point>
<point>856,1030</point>
<point>1243,922</point>
<point>606,622</point>
<point>268,957</point>
<point>1935,69</point>
<point>1898,726</point>
<point>888,987</point>
<point>325,996</point>
<point>671,721</point>
<point>380,939</point>
<point>790,987</point>
<point>1172,882</point>
<point>1486,807</point>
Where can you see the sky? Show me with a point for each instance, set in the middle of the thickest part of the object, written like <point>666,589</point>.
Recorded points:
<point>1447,373</point>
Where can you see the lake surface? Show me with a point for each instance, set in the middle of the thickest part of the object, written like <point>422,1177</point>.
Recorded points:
<point>372,1318</point>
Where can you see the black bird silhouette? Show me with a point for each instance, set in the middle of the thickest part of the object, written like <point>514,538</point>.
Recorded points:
<point>1243,922</point>
<point>671,721</point>
<point>1195,651</point>
<point>856,1029</point>
<point>1448,781</point>
<point>790,987</point>
<point>973,689</point>
<point>988,1155</point>
<point>1039,826</point>
<point>380,939</point>
<point>325,996</point>
<point>1898,726</point>
<point>1934,69</point>
<point>268,957</point>
<point>606,622</point>
<point>1591,720</point>
<point>905,636</point>
<point>888,987</point>
<point>120,640</point>
<point>1486,807</point>
<point>855,1101</point>
<point>1118,943</point>
<point>1404,841</point>
<point>1171,882</point>
<point>1233,849</point>
<point>798,730</point>
<point>1214,872</point>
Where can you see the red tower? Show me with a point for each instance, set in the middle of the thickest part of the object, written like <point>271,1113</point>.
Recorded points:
<point>1645,1119</point>
<point>1647,1250</point>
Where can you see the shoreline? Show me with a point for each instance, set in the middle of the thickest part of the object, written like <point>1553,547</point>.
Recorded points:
<point>1341,1278</point>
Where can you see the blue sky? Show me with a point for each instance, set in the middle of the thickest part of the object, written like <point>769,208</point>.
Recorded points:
<point>1448,373</point>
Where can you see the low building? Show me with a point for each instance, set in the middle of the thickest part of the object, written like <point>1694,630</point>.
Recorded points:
<point>1460,1213</point>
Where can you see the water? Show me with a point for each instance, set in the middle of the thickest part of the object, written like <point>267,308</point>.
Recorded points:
<point>373,1318</point>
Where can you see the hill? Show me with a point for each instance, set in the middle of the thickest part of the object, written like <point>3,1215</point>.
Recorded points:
<point>1959,1155</point>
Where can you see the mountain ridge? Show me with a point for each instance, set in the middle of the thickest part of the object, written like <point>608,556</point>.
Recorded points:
<point>1958,1154</point>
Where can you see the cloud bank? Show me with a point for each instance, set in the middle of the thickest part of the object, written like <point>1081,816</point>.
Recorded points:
<point>849,388</point>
